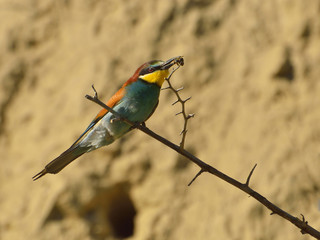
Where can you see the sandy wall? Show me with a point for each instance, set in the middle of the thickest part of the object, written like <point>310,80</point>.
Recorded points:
<point>252,69</point>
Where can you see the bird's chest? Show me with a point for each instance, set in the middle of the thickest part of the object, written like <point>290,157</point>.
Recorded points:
<point>137,105</point>
<point>139,101</point>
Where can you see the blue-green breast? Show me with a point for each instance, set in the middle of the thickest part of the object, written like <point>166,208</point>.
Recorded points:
<point>141,98</point>
<point>138,102</point>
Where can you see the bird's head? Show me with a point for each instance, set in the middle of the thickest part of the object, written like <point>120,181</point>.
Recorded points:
<point>156,71</point>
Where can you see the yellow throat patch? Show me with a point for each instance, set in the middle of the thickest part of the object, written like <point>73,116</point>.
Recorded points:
<point>156,77</point>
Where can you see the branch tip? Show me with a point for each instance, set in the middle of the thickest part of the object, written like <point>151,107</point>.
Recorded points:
<point>95,91</point>
<point>173,70</point>
<point>190,115</point>
<point>187,99</point>
<point>179,89</point>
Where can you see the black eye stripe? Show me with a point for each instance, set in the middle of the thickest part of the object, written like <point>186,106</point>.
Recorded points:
<point>149,69</point>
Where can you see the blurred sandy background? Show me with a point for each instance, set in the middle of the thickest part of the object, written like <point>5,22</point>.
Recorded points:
<point>253,71</point>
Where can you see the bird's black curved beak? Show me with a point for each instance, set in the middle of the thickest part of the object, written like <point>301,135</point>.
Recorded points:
<point>172,61</point>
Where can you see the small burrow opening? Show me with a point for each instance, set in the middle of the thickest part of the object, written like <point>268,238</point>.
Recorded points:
<point>56,214</point>
<point>121,213</point>
<point>111,212</point>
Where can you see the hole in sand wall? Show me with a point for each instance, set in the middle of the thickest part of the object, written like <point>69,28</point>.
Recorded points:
<point>111,212</point>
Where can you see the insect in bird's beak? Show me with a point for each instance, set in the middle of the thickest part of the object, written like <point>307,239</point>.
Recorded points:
<point>172,61</point>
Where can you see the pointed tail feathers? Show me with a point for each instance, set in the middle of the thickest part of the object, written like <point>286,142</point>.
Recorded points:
<point>60,162</point>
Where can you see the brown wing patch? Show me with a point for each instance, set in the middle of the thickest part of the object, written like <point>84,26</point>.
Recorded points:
<point>111,103</point>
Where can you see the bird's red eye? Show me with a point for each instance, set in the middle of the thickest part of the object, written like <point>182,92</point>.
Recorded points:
<point>151,69</point>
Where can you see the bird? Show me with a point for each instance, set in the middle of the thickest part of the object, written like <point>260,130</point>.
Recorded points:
<point>136,101</point>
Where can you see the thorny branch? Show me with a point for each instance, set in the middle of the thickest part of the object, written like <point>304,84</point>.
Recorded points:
<point>204,167</point>
<point>186,117</point>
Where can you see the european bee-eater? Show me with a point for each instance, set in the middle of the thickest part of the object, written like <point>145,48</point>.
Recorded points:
<point>136,101</point>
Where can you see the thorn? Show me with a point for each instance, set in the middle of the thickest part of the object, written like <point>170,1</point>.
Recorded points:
<point>186,99</point>
<point>305,223</point>
<point>195,177</point>
<point>179,89</point>
<point>178,113</point>
<point>190,115</point>
<point>183,131</point>
<point>250,174</point>
<point>175,102</point>
<point>95,91</point>
<point>165,88</point>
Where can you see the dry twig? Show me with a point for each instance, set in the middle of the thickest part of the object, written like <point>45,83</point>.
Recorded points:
<point>186,116</point>
<point>204,167</point>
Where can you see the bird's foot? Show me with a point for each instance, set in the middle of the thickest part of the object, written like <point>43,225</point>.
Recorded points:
<point>115,119</point>
<point>137,124</point>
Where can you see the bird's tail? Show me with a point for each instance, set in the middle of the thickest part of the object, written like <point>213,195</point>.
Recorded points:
<point>63,160</point>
